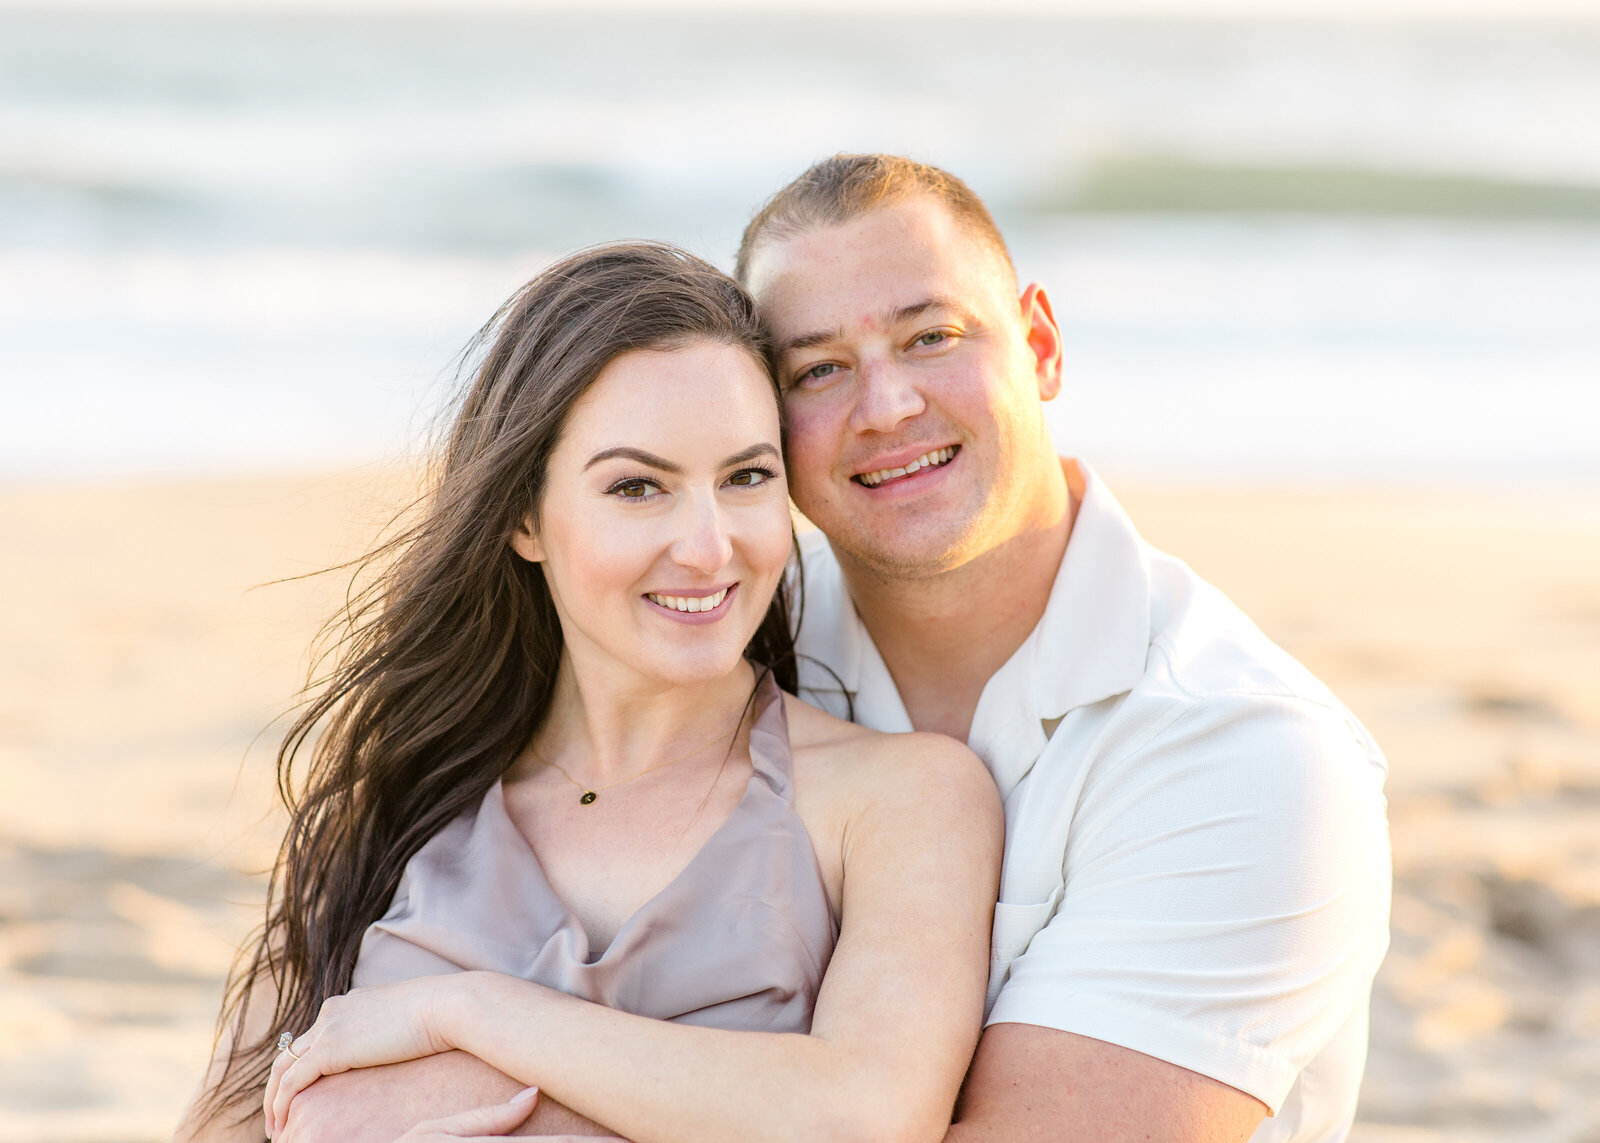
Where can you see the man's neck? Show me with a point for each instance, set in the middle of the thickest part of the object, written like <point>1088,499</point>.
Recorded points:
<point>944,636</point>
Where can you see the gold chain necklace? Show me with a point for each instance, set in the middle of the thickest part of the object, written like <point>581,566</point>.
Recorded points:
<point>591,794</point>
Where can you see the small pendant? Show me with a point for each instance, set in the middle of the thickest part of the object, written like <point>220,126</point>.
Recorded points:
<point>588,798</point>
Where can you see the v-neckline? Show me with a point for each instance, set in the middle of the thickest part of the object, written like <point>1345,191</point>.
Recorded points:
<point>570,919</point>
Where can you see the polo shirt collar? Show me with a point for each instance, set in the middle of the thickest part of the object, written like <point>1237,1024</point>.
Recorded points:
<point>1091,643</point>
<point>1094,638</point>
<point>840,655</point>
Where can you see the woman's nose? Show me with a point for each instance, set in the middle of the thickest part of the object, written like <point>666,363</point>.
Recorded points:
<point>704,545</point>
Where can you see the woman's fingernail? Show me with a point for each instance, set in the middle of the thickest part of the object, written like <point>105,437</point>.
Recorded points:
<point>526,1095</point>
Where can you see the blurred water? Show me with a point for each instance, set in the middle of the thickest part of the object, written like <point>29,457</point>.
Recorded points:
<point>245,241</point>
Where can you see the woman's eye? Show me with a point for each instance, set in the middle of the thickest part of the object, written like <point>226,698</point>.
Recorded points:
<point>749,477</point>
<point>632,489</point>
<point>932,337</point>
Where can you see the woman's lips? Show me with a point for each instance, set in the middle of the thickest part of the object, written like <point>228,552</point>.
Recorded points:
<point>706,608</point>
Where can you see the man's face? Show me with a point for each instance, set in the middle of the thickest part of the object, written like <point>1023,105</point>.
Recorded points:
<point>912,385</point>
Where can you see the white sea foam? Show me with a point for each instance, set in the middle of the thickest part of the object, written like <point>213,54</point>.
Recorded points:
<point>243,240</point>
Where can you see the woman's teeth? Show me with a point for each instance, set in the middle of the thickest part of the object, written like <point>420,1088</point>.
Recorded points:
<point>927,460</point>
<point>688,602</point>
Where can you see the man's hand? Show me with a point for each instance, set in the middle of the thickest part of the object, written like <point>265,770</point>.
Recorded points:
<point>1028,1082</point>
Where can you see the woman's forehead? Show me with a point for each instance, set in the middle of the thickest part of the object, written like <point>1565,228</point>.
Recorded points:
<point>695,399</point>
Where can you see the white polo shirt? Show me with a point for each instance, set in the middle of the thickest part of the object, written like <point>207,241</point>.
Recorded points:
<point>1197,858</point>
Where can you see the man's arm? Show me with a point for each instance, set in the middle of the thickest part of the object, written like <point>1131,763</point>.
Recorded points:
<point>1029,1083</point>
<point>1225,907</point>
<point>377,1105</point>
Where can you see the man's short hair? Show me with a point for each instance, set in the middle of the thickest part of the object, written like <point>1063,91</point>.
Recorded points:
<point>845,187</point>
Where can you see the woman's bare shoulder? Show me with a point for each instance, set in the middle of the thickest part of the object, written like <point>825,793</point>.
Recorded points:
<point>852,783</point>
<point>811,726</point>
<point>855,760</point>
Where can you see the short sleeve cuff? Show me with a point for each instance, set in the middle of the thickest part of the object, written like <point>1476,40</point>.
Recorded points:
<point>1254,1070</point>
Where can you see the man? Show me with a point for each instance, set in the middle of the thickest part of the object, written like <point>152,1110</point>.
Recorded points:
<point>1196,882</point>
<point>1195,891</point>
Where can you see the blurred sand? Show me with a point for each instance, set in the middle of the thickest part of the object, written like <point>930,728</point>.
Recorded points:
<point>137,670</point>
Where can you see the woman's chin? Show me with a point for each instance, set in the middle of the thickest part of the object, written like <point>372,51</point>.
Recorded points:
<point>690,666</point>
<point>699,673</point>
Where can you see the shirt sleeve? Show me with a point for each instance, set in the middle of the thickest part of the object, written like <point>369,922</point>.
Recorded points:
<point>1226,895</point>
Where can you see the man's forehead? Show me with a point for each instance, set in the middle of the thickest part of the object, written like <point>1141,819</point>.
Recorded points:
<point>884,262</point>
<point>920,223</point>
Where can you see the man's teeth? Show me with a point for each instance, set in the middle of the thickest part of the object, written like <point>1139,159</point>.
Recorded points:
<point>688,602</point>
<point>927,460</point>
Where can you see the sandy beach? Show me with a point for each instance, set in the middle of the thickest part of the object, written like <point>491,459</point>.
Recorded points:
<point>141,666</point>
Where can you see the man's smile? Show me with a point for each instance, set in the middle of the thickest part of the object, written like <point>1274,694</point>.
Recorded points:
<point>935,458</point>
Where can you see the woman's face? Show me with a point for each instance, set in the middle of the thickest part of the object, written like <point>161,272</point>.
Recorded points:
<point>665,522</point>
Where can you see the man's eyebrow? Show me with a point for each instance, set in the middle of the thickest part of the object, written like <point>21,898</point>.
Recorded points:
<point>888,317</point>
<point>811,340</point>
<point>638,454</point>
<point>916,309</point>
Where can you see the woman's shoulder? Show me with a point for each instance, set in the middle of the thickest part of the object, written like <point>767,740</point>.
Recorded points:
<point>856,762</point>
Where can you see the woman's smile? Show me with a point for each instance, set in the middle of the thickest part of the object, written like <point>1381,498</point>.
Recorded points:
<point>692,606</point>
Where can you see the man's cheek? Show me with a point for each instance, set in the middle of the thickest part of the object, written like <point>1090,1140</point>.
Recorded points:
<point>808,455</point>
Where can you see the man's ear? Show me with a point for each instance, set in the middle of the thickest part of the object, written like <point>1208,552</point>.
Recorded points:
<point>525,541</point>
<point>1044,339</point>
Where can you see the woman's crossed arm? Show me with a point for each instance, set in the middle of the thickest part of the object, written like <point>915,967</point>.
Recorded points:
<point>896,1019</point>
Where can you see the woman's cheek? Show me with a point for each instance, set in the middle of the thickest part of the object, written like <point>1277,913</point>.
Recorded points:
<point>619,550</point>
<point>777,540</point>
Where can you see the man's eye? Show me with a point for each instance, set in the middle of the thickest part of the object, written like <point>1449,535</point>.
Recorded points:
<point>932,337</point>
<point>817,372</point>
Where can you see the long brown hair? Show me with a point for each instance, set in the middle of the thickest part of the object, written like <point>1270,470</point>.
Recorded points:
<point>442,666</point>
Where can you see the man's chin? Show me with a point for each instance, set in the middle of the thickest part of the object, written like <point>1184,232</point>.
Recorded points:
<point>900,558</point>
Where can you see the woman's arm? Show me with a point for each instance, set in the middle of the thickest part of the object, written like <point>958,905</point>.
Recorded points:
<point>895,1023</point>
<point>378,1104</point>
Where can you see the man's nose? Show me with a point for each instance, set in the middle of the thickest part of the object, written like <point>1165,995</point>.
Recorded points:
<point>704,544</point>
<point>885,396</point>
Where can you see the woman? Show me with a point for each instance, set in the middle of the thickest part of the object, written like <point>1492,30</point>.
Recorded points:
<point>561,817</point>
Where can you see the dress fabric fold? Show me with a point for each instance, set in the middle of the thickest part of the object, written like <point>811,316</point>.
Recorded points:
<point>739,939</point>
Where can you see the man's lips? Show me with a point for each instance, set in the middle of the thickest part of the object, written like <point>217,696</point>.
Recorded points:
<point>933,458</point>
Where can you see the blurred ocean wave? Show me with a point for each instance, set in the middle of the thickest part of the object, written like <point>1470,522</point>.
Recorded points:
<point>1169,186</point>
<point>1280,249</point>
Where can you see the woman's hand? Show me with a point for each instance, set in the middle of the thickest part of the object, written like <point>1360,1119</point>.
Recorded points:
<point>493,1122</point>
<point>361,1029</point>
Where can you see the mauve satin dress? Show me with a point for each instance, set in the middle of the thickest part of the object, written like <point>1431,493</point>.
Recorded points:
<point>739,939</point>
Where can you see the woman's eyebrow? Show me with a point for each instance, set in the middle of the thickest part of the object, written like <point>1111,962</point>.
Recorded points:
<point>627,452</point>
<point>638,454</point>
<point>751,453</point>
